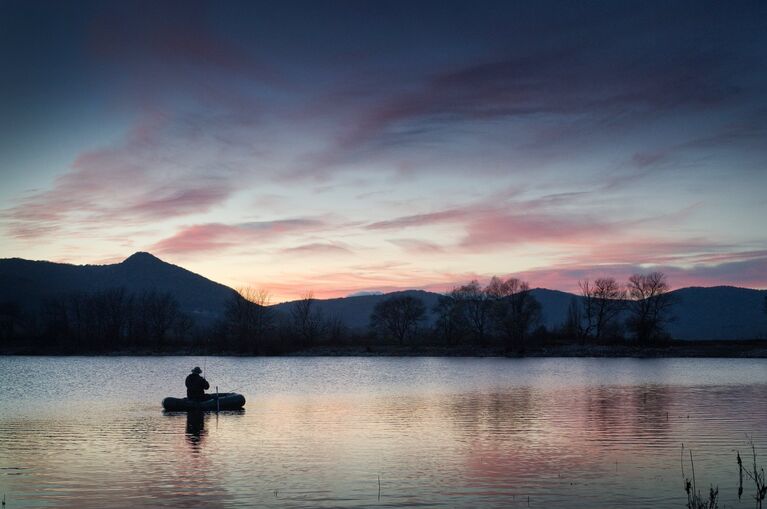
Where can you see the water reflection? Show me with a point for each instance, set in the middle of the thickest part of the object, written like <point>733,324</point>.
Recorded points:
<point>505,414</point>
<point>468,433</point>
<point>640,411</point>
<point>195,429</point>
<point>197,422</point>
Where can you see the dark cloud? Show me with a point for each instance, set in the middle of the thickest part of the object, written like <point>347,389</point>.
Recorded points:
<point>587,75</point>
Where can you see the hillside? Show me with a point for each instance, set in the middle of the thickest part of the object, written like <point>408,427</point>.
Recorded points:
<point>720,312</point>
<point>29,282</point>
<point>716,313</point>
<point>355,312</point>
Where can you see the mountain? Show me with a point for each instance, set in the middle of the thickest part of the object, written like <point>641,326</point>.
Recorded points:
<point>719,312</point>
<point>698,313</point>
<point>354,312</point>
<point>715,313</point>
<point>554,306</point>
<point>29,282</point>
<point>722,312</point>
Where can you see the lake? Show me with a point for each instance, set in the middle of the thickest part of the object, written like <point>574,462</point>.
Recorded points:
<point>378,432</point>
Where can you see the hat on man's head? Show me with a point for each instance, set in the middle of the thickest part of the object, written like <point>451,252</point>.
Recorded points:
<point>197,370</point>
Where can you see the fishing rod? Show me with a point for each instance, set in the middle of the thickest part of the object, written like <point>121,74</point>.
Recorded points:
<point>205,364</point>
<point>226,381</point>
<point>236,388</point>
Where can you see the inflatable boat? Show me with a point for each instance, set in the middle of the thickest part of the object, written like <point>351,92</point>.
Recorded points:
<point>220,401</point>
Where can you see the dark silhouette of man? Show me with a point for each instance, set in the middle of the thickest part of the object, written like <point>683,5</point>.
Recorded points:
<point>196,385</point>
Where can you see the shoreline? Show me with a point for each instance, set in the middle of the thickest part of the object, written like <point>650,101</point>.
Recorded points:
<point>756,349</point>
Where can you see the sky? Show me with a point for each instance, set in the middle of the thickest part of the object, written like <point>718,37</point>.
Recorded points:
<point>344,147</point>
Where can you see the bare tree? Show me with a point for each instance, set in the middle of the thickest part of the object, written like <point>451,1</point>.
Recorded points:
<point>603,301</point>
<point>306,320</point>
<point>160,312</point>
<point>515,309</point>
<point>112,318</point>
<point>10,314</point>
<point>77,322</point>
<point>96,320</point>
<point>112,308</point>
<point>573,325</point>
<point>183,326</point>
<point>476,306</point>
<point>451,322</point>
<point>337,331</point>
<point>585,325</point>
<point>249,320</point>
<point>398,316</point>
<point>650,306</point>
<point>54,320</point>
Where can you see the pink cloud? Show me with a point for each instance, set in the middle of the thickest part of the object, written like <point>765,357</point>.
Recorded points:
<point>499,227</point>
<point>417,246</point>
<point>511,223</point>
<point>747,273</point>
<point>644,250</point>
<point>153,173</point>
<point>200,238</point>
<point>216,236</point>
<point>177,202</point>
<point>453,215</point>
<point>319,248</point>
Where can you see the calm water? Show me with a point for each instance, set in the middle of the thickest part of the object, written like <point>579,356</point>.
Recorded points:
<point>320,432</point>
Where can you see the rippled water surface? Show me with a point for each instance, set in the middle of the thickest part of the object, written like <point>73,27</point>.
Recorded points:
<point>372,432</point>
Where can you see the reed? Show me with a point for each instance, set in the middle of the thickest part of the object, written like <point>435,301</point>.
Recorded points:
<point>695,500</point>
<point>756,474</point>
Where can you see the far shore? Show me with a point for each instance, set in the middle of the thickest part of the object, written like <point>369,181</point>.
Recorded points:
<point>683,349</point>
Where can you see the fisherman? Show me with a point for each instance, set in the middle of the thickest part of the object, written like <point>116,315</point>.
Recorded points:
<point>196,385</point>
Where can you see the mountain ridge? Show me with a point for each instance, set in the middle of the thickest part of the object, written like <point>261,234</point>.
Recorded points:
<point>30,281</point>
<point>717,312</point>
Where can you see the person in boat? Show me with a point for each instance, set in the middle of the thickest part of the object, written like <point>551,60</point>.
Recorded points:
<point>196,385</point>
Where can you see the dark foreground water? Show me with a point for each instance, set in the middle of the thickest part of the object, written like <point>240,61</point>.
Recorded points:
<point>320,432</point>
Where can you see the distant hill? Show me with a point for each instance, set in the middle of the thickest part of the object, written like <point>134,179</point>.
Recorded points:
<point>715,313</point>
<point>29,282</point>
<point>355,312</point>
<point>719,312</point>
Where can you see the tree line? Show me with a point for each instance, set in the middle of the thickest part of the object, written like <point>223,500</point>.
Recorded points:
<point>503,315</point>
<point>103,320</point>
<point>643,302</point>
